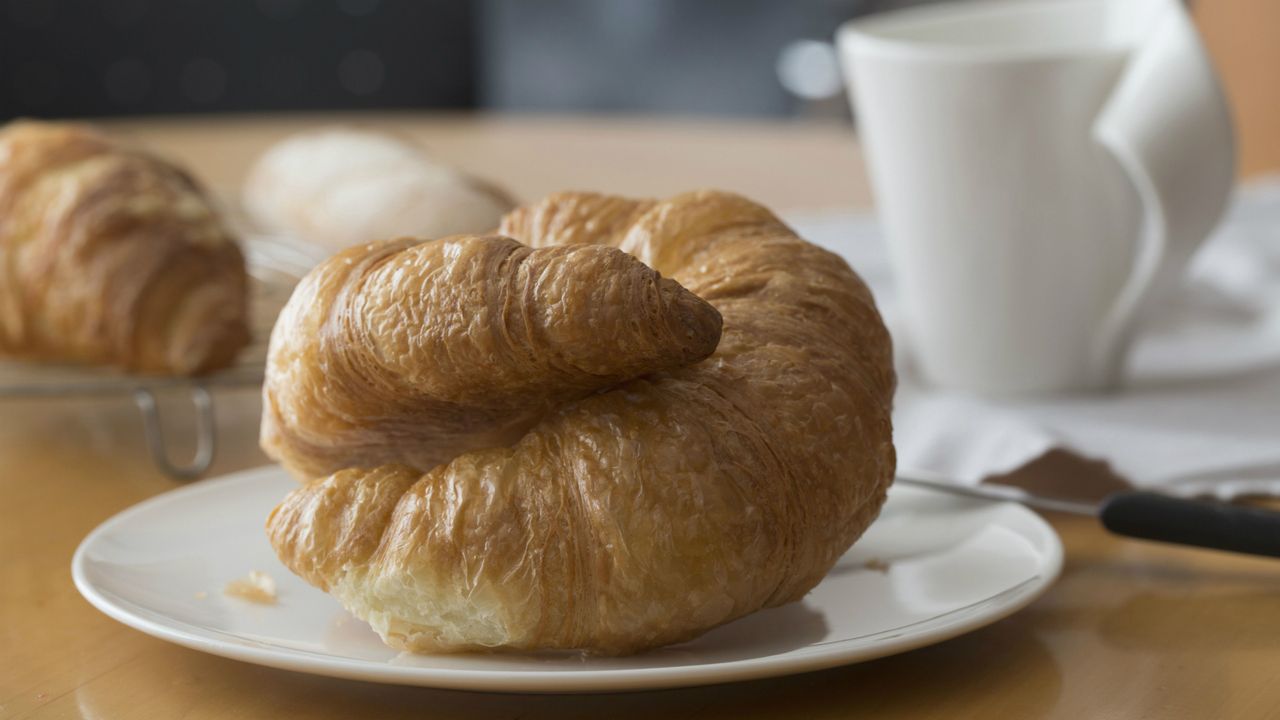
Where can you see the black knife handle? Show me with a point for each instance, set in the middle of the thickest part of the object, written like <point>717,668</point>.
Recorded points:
<point>1207,524</point>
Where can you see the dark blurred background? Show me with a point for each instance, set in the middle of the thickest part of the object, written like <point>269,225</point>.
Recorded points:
<point>130,57</point>
<point>752,58</point>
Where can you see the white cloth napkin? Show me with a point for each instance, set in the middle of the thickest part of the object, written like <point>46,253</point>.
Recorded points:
<point>1201,408</point>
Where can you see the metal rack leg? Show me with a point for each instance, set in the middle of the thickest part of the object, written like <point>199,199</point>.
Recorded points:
<point>206,433</point>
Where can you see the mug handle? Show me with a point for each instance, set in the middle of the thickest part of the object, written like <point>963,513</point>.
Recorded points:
<point>1168,126</point>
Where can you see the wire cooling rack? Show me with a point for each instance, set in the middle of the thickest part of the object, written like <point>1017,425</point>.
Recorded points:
<point>275,266</point>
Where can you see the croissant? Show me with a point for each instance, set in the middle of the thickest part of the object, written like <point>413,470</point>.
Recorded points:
<point>339,187</point>
<point>537,450</point>
<point>111,256</point>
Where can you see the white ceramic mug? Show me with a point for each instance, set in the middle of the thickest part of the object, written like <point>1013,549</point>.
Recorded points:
<point>1043,172</point>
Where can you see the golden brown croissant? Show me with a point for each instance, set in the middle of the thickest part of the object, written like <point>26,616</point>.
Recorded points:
<point>111,256</point>
<point>639,515</point>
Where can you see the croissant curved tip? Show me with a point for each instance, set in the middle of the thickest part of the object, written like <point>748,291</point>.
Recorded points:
<point>692,321</point>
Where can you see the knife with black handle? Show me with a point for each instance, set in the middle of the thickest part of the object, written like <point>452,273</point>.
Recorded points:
<point>1146,515</point>
<point>1202,523</point>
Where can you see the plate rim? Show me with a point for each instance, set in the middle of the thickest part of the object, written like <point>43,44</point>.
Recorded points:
<point>546,681</point>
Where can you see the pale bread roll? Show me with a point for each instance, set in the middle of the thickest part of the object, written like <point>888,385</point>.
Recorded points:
<point>339,187</point>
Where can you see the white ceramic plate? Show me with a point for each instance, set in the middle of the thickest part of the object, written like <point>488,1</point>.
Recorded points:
<point>932,567</point>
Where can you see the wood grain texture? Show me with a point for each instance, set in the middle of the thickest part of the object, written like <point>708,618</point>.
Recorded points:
<point>1131,630</point>
<point>783,165</point>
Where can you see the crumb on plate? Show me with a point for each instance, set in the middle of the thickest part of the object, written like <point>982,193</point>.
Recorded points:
<point>877,565</point>
<point>258,587</point>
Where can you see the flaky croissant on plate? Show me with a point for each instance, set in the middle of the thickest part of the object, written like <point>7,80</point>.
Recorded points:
<point>111,256</point>
<point>534,446</point>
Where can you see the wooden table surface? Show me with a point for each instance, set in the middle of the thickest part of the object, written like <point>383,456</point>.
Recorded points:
<point>1131,630</point>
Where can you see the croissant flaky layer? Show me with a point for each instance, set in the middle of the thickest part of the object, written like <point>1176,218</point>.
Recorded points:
<point>605,487</point>
<point>111,256</point>
<point>415,352</point>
